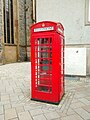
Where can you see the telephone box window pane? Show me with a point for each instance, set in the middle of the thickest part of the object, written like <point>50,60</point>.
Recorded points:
<point>50,48</point>
<point>50,40</point>
<point>44,68</point>
<point>43,40</point>
<point>50,54</point>
<point>44,75</point>
<point>43,48</point>
<point>43,88</point>
<point>50,67</point>
<point>44,62</point>
<point>44,55</point>
<point>44,81</point>
<point>50,61</point>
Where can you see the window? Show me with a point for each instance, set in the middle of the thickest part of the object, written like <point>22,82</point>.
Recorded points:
<point>34,11</point>
<point>87,13</point>
<point>8,21</point>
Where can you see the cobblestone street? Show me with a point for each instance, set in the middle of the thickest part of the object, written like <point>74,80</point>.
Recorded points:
<point>15,103</point>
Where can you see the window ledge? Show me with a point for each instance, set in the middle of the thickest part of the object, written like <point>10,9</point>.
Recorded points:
<point>9,44</point>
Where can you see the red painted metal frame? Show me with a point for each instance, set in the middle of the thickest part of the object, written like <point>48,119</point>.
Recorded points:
<point>47,62</point>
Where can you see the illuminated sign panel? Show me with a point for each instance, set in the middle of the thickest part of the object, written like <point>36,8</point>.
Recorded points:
<point>43,29</point>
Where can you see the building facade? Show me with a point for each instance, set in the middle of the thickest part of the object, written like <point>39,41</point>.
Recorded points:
<point>15,21</point>
<point>75,17</point>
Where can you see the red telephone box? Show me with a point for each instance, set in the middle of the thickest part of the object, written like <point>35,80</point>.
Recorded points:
<point>47,61</point>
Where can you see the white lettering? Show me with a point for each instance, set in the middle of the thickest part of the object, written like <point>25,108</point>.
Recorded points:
<point>43,29</point>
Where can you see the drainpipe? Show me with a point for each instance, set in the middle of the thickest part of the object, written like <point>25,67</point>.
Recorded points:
<point>25,29</point>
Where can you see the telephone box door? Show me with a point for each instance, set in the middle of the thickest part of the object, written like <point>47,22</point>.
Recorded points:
<point>43,66</point>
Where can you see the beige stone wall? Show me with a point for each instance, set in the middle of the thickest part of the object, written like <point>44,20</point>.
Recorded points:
<point>10,54</point>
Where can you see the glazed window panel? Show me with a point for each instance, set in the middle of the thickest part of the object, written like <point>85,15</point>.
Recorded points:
<point>87,12</point>
<point>8,21</point>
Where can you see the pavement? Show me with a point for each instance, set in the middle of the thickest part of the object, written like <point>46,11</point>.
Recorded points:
<point>16,103</point>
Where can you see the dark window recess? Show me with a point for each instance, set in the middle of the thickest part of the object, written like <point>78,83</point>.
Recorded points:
<point>4,23</point>
<point>8,28</point>
<point>12,30</point>
<point>8,21</point>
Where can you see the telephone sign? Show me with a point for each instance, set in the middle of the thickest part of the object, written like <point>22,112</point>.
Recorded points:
<point>43,29</point>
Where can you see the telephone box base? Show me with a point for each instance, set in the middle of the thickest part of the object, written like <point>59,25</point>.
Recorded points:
<point>55,103</point>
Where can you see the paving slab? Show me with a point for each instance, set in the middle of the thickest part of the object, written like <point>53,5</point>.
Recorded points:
<point>1,117</point>
<point>51,115</point>
<point>1,109</point>
<point>39,117</point>
<point>72,117</point>
<point>24,116</point>
<point>87,108</point>
<point>10,114</point>
<point>83,113</point>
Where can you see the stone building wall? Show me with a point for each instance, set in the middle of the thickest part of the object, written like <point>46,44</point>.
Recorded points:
<point>24,36</point>
<point>1,48</point>
<point>25,19</point>
<point>22,30</point>
<point>29,22</point>
<point>28,19</point>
